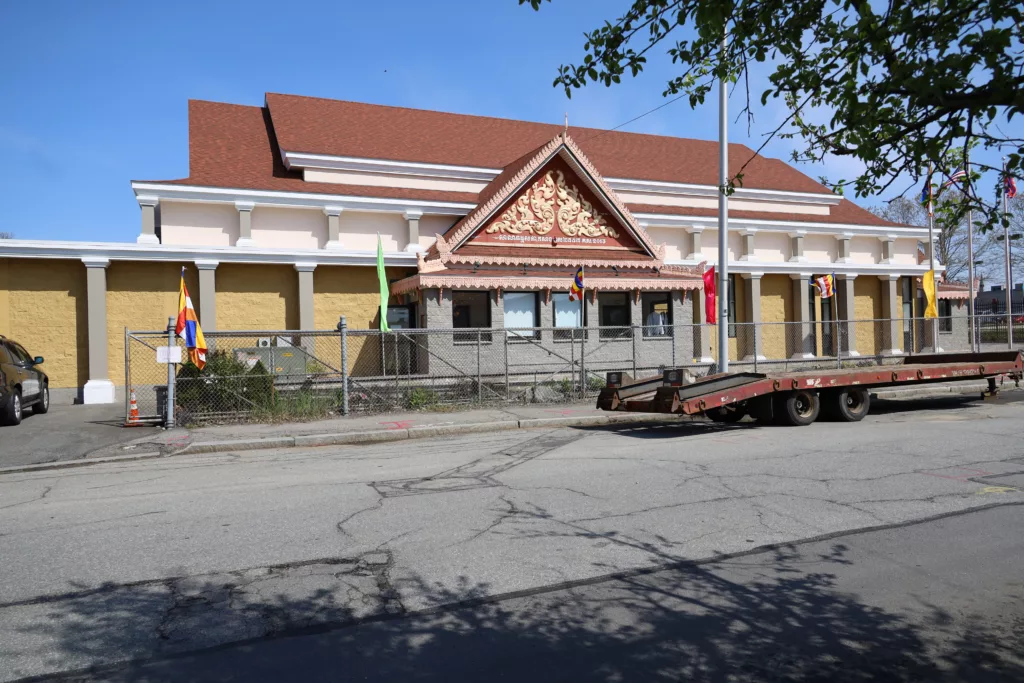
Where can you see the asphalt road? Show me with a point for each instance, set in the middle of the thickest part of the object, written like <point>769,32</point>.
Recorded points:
<point>320,562</point>
<point>66,432</point>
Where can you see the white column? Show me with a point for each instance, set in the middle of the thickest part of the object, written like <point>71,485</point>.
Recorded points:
<point>802,301</point>
<point>99,388</point>
<point>305,271</point>
<point>843,241</point>
<point>413,216</point>
<point>796,246</point>
<point>892,312</point>
<point>207,294</point>
<point>847,314</point>
<point>696,251</point>
<point>148,205</point>
<point>888,243</point>
<point>748,246</point>
<point>245,224</point>
<point>752,281</point>
<point>333,214</point>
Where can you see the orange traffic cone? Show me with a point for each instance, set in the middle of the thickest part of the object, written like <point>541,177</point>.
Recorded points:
<point>133,409</point>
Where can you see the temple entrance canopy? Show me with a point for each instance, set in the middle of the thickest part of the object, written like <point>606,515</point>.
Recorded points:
<point>544,216</point>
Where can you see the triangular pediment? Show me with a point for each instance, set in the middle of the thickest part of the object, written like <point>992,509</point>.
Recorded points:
<point>556,209</point>
<point>550,204</point>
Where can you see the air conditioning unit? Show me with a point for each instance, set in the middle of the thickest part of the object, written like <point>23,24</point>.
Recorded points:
<point>263,342</point>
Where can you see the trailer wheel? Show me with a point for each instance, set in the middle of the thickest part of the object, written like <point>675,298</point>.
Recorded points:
<point>851,404</point>
<point>727,414</point>
<point>799,408</point>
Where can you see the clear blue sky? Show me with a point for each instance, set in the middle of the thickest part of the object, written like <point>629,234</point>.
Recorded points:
<point>94,94</point>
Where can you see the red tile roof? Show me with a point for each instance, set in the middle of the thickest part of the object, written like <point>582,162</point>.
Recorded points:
<point>236,146</point>
<point>355,129</point>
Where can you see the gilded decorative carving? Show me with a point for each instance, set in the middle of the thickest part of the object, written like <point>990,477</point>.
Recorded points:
<point>548,199</point>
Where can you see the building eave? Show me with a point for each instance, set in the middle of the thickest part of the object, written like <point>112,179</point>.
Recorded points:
<point>126,251</point>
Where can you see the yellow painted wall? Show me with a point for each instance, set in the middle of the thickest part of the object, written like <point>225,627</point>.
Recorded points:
<point>741,316</point>
<point>43,307</point>
<point>141,296</point>
<point>257,297</point>
<point>867,306</point>
<point>354,292</point>
<point>778,341</point>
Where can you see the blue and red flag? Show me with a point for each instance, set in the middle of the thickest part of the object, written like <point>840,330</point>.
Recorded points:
<point>576,291</point>
<point>188,328</point>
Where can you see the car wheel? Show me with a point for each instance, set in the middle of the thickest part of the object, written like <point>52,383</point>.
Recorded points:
<point>43,405</point>
<point>12,411</point>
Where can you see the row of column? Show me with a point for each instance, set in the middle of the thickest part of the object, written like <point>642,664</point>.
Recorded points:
<point>99,388</point>
<point>796,241</point>
<point>149,206</point>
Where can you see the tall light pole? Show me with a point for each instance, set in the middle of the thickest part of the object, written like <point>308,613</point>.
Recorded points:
<point>723,220</point>
<point>931,259</point>
<point>1009,266</point>
<point>971,322</point>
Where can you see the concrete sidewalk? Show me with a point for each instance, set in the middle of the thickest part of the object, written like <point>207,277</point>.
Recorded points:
<point>155,443</point>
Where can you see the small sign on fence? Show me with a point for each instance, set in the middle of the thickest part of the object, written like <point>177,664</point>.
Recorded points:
<point>168,354</point>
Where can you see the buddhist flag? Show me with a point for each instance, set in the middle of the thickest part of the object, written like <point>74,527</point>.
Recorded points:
<point>710,305</point>
<point>188,328</point>
<point>576,290</point>
<point>928,283</point>
<point>1010,185</point>
<point>826,285</point>
<point>385,291</point>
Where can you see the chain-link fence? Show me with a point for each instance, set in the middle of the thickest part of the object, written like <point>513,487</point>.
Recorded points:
<point>265,375</point>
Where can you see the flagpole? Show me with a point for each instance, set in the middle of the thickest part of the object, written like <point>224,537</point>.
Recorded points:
<point>723,221</point>
<point>1009,265</point>
<point>970,250</point>
<point>931,260</point>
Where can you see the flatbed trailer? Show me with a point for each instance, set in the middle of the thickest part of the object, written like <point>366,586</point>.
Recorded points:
<point>799,398</point>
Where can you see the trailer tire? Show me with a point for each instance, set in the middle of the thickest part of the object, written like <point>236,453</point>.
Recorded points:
<point>798,408</point>
<point>850,404</point>
<point>726,414</point>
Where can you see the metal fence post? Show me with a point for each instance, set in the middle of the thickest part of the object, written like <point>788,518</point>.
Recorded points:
<point>169,418</point>
<point>398,387</point>
<point>632,333</point>
<point>479,387</point>
<point>343,329</point>
<point>507,388</point>
<point>127,379</point>
<point>583,364</point>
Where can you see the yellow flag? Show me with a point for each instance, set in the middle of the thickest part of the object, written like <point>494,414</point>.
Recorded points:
<point>928,282</point>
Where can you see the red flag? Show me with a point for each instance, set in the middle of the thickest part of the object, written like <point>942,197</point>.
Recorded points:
<point>710,306</point>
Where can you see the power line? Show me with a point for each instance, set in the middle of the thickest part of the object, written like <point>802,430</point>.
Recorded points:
<point>635,118</point>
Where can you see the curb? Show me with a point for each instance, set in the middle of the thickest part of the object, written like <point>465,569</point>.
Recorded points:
<point>429,431</point>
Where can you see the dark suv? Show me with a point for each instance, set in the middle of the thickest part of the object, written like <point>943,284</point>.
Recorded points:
<point>22,383</point>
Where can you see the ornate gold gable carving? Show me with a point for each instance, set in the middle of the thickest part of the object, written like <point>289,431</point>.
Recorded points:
<point>548,198</point>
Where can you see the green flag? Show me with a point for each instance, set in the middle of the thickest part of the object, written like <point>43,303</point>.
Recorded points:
<point>384,290</point>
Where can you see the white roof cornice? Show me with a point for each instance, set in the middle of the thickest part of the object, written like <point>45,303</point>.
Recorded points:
<point>129,251</point>
<point>312,200</point>
<point>767,225</point>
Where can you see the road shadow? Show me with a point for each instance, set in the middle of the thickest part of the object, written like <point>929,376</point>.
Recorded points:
<point>773,616</point>
<point>668,430</point>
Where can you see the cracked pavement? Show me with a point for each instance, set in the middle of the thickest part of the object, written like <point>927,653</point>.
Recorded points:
<point>136,560</point>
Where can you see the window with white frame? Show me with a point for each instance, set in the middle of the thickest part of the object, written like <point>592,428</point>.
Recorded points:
<point>657,312</point>
<point>569,316</point>
<point>522,314</point>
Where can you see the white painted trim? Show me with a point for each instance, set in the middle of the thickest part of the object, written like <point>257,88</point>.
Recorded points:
<point>95,261</point>
<point>359,164</point>
<point>664,187</point>
<point>206,264</point>
<point>737,222</point>
<point>147,200</point>
<point>301,200</point>
<point>245,206</point>
<point>305,267</point>
<point>147,239</point>
<point>99,253</point>
<point>789,267</point>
